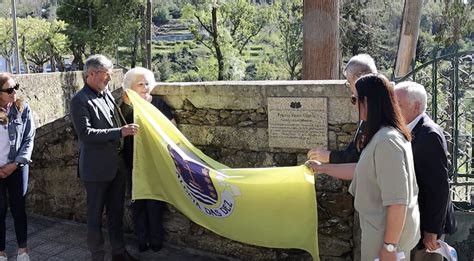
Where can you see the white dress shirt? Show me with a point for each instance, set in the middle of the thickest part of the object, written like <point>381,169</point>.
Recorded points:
<point>413,123</point>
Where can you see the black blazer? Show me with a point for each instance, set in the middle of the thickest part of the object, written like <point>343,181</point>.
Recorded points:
<point>430,156</point>
<point>99,140</point>
<point>350,154</point>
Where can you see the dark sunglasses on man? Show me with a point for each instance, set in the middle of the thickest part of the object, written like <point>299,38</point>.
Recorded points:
<point>11,89</point>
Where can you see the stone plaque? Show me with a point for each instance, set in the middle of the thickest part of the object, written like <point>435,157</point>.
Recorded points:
<point>295,122</point>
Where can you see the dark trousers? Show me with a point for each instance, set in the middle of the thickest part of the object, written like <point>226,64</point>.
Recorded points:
<point>148,219</point>
<point>13,186</point>
<point>419,253</point>
<point>110,195</point>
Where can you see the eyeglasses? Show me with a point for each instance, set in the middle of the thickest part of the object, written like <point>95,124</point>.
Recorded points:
<point>11,89</point>
<point>106,72</point>
<point>354,99</point>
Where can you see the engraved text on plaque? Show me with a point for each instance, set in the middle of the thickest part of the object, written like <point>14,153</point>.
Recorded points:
<point>295,122</point>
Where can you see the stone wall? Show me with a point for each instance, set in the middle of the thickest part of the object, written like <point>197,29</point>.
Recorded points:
<point>49,93</point>
<point>228,121</point>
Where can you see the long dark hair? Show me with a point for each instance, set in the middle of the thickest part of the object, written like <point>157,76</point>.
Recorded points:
<point>382,107</point>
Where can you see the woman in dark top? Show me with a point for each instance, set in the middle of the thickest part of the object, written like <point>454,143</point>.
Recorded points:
<point>147,213</point>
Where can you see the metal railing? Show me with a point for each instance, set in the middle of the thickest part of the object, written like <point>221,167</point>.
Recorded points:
<point>449,81</point>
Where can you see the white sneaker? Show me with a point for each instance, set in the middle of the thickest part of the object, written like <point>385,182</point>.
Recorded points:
<point>23,257</point>
<point>3,258</point>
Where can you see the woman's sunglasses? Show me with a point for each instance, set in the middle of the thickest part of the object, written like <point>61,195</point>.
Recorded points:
<point>11,89</point>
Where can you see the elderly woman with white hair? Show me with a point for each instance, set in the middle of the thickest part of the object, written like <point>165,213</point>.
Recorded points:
<point>147,213</point>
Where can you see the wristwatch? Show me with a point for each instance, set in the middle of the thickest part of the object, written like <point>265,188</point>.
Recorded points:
<point>390,247</point>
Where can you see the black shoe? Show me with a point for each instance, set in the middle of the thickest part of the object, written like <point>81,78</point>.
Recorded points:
<point>125,256</point>
<point>142,247</point>
<point>156,247</point>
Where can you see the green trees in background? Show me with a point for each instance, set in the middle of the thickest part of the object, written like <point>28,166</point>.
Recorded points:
<point>226,28</point>
<point>234,39</point>
<point>455,23</point>
<point>290,25</point>
<point>40,41</point>
<point>6,35</point>
<point>99,26</point>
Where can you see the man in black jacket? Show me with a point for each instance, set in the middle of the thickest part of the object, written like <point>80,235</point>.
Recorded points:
<point>431,169</point>
<point>100,129</point>
<point>359,65</point>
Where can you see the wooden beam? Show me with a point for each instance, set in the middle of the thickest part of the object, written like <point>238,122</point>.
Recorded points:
<point>321,39</point>
<point>408,36</point>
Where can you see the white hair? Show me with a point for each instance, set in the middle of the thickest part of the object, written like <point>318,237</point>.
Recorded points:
<point>133,74</point>
<point>359,65</point>
<point>415,93</point>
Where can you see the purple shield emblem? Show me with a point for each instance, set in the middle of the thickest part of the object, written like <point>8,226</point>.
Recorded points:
<point>196,178</point>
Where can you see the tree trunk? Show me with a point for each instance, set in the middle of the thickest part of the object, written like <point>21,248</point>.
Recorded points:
<point>134,50</point>
<point>23,55</point>
<point>52,60</point>
<point>77,63</point>
<point>320,39</point>
<point>143,44</point>
<point>148,34</point>
<point>408,36</point>
<point>9,64</point>
<point>217,47</point>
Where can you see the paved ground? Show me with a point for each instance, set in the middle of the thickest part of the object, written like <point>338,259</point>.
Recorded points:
<point>57,239</point>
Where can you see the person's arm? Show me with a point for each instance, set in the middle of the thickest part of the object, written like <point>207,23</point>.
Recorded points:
<point>395,220</point>
<point>81,120</point>
<point>164,108</point>
<point>341,171</point>
<point>26,149</point>
<point>393,176</point>
<point>349,155</point>
<point>432,179</point>
<point>394,223</point>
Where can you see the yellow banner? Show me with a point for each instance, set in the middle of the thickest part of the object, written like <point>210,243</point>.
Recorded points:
<point>270,207</point>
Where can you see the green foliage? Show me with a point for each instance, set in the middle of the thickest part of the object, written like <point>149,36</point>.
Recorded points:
<point>356,34</point>
<point>275,50</point>
<point>228,26</point>
<point>290,25</point>
<point>161,15</point>
<point>266,70</point>
<point>206,69</point>
<point>43,40</point>
<point>163,68</point>
<point>456,23</point>
<point>40,40</point>
<point>113,23</point>
<point>6,35</point>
